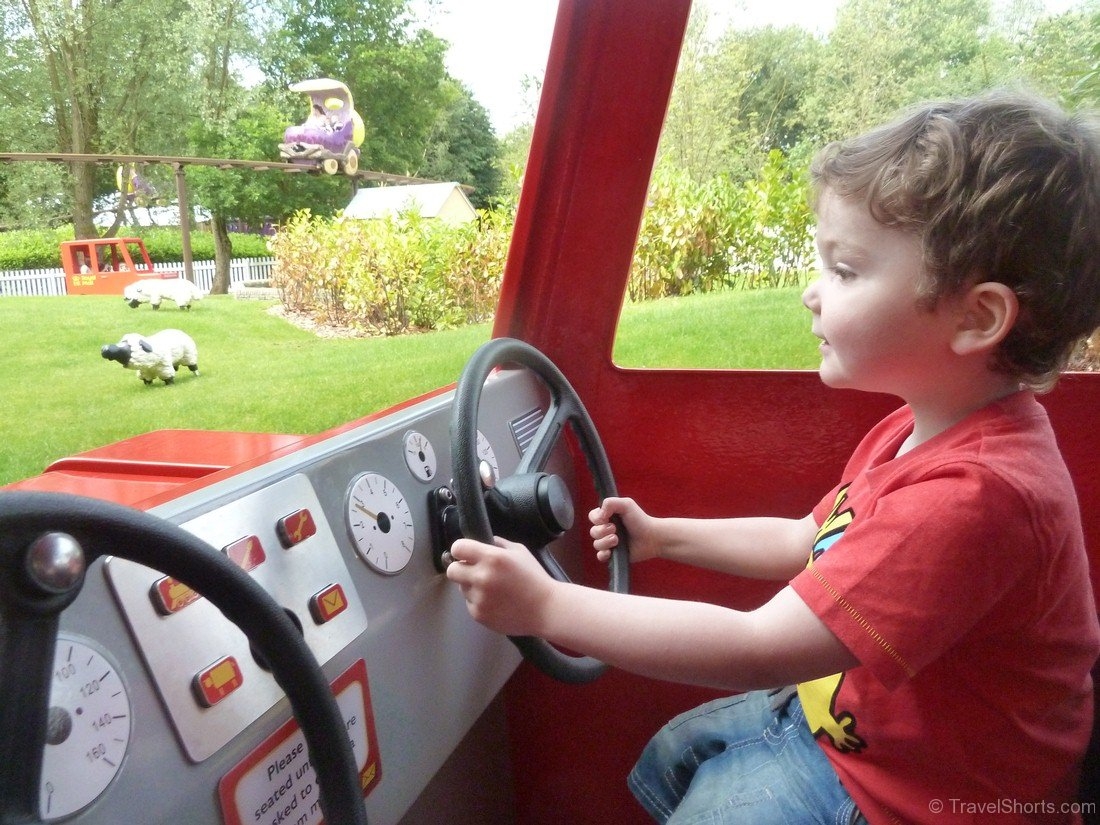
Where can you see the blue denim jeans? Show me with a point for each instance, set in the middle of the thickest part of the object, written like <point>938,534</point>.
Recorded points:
<point>740,759</point>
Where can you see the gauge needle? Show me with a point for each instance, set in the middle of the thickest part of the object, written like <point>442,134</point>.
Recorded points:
<point>363,509</point>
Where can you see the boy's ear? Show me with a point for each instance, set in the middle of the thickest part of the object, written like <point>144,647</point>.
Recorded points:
<point>988,312</point>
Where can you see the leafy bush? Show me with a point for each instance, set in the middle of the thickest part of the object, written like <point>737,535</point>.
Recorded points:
<point>311,267</point>
<point>32,248</point>
<point>474,264</point>
<point>166,243</point>
<point>686,237</point>
<point>716,235</point>
<point>773,237</point>
<point>391,275</point>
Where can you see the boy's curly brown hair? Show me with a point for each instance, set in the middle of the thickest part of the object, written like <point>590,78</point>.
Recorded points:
<point>1002,187</point>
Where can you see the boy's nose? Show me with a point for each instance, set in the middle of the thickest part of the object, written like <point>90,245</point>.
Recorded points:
<point>810,297</point>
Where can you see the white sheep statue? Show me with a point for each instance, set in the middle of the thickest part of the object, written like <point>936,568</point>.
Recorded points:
<point>154,290</point>
<point>155,356</point>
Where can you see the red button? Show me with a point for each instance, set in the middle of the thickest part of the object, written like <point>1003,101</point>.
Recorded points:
<point>328,604</point>
<point>296,528</point>
<point>217,681</point>
<point>247,553</point>
<point>171,595</point>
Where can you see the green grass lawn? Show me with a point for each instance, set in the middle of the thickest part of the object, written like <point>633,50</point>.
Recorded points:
<point>760,329</point>
<point>261,373</point>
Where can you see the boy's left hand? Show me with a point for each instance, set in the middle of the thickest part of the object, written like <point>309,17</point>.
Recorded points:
<point>505,587</point>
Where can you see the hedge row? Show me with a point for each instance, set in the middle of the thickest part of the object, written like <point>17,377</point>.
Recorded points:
<point>701,237</point>
<point>40,249</point>
<point>391,275</point>
<point>405,273</point>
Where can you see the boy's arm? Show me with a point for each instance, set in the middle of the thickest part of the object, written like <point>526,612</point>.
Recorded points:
<point>780,643</point>
<point>760,548</point>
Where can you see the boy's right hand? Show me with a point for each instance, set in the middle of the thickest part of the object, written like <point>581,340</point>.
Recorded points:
<point>637,523</point>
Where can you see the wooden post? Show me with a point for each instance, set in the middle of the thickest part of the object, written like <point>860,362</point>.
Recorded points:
<point>185,220</point>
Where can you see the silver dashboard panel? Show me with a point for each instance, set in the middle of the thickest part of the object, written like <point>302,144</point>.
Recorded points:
<point>432,671</point>
<point>180,646</point>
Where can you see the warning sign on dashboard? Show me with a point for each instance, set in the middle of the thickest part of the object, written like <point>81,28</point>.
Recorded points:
<point>276,785</point>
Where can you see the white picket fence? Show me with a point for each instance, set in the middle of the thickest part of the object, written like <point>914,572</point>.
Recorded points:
<point>52,281</point>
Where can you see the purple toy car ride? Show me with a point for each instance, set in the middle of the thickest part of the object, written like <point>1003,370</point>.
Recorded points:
<point>330,137</point>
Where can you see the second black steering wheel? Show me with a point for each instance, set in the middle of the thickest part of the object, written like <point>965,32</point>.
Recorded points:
<point>47,540</point>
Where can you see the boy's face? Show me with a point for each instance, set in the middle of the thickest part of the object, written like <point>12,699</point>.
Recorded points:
<point>876,335</point>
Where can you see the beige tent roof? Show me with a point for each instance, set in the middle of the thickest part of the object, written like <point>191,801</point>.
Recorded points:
<point>446,201</point>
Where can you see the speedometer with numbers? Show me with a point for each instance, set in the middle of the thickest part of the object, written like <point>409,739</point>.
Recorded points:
<point>88,729</point>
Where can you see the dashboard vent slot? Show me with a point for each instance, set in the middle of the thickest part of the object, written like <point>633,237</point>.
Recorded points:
<point>525,427</point>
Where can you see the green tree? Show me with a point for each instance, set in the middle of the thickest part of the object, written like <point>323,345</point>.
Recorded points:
<point>784,64</point>
<point>699,136</point>
<point>240,124</point>
<point>32,195</point>
<point>1087,87</point>
<point>1060,56</point>
<point>248,195</point>
<point>514,148</point>
<point>737,98</point>
<point>231,121</point>
<point>394,69</point>
<point>884,54</point>
<point>97,76</point>
<point>463,148</point>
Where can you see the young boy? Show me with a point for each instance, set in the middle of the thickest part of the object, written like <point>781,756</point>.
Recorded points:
<point>938,619</point>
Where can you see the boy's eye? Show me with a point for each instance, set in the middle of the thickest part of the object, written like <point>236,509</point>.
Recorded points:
<point>840,271</point>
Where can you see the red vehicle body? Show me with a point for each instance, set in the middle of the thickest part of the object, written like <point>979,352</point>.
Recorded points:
<point>106,266</point>
<point>716,443</point>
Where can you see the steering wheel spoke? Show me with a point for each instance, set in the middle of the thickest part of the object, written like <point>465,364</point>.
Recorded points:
<point>550,564</point>
<point>555,422</point>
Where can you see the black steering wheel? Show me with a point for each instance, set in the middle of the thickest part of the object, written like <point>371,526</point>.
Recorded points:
<point>531,506</point>
<point>47,541</point>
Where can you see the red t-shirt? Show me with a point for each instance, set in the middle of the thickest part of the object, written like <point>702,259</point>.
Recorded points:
<point>957,575</point>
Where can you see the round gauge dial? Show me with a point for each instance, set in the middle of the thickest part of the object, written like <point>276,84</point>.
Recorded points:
<point>380,523</point>
<point>420,456</point>
<point>88,729</point>
<point>485,453</point>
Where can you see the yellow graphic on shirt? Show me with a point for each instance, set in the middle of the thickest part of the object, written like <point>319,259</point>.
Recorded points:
<point>819,704</point>
<point>819,696</point>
